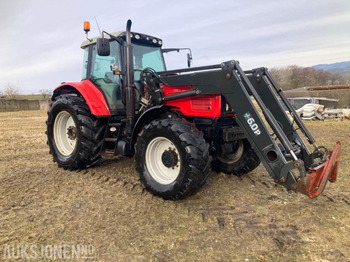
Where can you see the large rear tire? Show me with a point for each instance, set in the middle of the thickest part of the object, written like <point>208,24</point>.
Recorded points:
<point>239,160</point>
<point>74,135</point>
<point>172,158</point>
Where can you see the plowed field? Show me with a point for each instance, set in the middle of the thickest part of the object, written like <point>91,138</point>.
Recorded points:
<point>245,218</point>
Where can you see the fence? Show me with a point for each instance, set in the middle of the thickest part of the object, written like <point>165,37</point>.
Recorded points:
<point>23,104</point>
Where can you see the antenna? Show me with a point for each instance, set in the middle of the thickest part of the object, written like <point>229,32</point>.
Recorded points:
<point>98,26</point>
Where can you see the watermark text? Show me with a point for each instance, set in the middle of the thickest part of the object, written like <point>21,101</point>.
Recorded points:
<point>23,251</point>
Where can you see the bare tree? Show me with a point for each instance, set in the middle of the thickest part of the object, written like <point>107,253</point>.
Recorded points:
<point>11,91</point>
<point>45,93</point>
<point>347,79</point>
<point>293,76</point>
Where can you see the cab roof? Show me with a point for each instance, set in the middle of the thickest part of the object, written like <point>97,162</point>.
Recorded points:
<point>135,38</point>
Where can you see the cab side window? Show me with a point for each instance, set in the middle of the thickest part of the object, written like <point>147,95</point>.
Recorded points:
<point>102,75</point>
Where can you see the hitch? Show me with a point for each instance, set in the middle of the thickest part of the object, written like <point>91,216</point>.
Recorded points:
<point>314,183</point>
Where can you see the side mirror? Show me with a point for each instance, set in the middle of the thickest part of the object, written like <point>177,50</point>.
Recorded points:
<point>189,55</point>
<point>103,48</point>
<point>189,59</point>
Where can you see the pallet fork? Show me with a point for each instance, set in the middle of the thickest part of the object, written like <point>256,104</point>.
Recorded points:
<point>274,137</point>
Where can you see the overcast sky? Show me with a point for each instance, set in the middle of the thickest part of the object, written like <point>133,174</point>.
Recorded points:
<point>41,39</point>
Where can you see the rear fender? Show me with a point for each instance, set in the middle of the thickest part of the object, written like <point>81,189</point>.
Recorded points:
<point>92,95</point>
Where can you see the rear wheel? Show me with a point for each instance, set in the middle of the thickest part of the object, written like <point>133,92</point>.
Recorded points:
<point>65,133</point>
<point>236,158</point>
<point>74,135</point>
<point>172,158</point>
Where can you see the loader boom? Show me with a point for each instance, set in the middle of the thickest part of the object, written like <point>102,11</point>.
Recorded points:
<point>275,140</point>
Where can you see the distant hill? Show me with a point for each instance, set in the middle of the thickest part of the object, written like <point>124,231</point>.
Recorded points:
<point>335,68</point>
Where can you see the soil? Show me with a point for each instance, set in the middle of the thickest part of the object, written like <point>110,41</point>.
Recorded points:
<point>246,218</point>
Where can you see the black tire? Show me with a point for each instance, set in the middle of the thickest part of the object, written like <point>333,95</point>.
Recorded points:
<point>242,160</point>
<point>82,146</point>
<point>185,159</point>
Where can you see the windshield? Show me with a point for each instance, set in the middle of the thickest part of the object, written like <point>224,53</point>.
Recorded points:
<point>110,83</point>
<point>148,56</point>
<point>144,56</point>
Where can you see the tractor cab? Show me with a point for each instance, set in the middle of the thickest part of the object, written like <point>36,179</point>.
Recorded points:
<point>105,63</point>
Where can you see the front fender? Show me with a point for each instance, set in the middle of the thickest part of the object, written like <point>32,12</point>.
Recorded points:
<point>93,96</point>
<point>149,115</point>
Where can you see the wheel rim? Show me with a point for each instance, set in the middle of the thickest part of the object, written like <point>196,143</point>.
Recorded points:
<point>164,172</point>
<point>234,157</point>
<point>65,133</point>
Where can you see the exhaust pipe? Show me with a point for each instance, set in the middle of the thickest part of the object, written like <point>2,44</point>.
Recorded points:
<point>129,82</point>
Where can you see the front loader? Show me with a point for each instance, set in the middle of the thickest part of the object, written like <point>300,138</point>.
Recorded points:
<point>180,124</point>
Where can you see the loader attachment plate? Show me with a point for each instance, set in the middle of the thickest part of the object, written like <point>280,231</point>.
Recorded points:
<point>314,182</point>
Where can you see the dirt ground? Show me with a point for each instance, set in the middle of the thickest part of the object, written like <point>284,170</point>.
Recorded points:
<point>232,218</point>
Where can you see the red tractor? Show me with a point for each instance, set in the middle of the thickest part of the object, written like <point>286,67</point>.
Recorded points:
<point>180,124</point>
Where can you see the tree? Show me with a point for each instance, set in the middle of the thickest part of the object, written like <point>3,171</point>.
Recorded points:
<point>347,79</point>
<point>45,93</point>
<point>11,91</point>
<point>293,76</point>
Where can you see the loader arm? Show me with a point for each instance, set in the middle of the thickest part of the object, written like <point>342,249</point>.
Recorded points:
<point>274,137</point>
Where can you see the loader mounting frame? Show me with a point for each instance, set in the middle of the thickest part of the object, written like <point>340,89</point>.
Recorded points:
<point>275,140</point>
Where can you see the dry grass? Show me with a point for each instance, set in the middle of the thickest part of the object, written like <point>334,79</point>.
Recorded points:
<point>231,219</point>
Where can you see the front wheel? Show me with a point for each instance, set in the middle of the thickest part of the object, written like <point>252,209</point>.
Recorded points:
<point>172,158</point>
